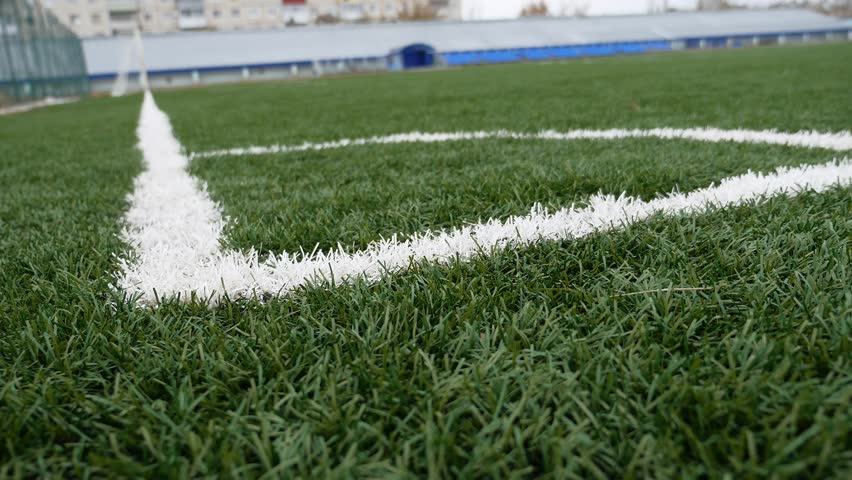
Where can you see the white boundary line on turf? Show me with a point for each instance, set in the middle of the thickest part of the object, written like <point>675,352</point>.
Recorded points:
<point>838,141</point>
<point>175,228</point>
<point>45,102</point>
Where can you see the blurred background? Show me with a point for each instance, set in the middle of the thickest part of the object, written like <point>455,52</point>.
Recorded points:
<point>73,48</point>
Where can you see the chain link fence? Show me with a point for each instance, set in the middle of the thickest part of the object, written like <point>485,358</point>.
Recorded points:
<point>39,57</point>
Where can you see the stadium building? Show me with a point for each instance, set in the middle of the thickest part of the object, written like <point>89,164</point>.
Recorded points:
<point>214,57</point>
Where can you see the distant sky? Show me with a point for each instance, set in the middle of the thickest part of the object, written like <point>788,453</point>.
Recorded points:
<point>488,9</point>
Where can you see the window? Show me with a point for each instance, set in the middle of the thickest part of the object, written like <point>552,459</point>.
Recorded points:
<point>74,20</point>
<point>147,17</point>
<point>121,16</point>
<point>96,19</point>
<point>235,12</point>
<point>273,12</point>
<point>217,14</point>
<point>253,12</point>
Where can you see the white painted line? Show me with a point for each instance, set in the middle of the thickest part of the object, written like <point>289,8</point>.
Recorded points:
<point>839,141</point>
<point>175,228</point>
<point>45,102</point>
<point>172,224</point>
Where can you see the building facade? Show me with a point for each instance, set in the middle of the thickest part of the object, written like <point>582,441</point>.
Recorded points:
<point>305,12</point>
<point>92,18</point>
<point>242,14</point>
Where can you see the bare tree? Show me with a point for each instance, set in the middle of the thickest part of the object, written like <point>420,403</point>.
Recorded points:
<point>327,18</point>
<point>716,5</point>
<point>838,8</point>
<point>415,12</point>
<point>658,6</point>
<point>535,10</point>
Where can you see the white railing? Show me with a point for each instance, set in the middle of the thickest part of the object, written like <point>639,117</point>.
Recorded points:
<point>192,22</point>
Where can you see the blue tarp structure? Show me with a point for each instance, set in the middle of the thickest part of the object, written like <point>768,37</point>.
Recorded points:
<point>416,55</point>
<point>555,52</point>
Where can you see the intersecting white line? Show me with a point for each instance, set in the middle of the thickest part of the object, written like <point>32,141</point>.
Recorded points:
<point>838,141</point>
<point>175,228</point>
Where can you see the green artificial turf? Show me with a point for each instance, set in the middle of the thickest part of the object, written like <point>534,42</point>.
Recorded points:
<point>357,195</point>
<point>791,88</point>
<point>704,346</point>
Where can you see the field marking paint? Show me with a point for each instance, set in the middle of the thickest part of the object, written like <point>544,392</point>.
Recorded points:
<point>172,223</point>
<point>175,228</point>
<point>45,102</point>
<point>839,141</point>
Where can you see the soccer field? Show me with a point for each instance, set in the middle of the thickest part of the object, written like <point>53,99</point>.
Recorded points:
<point>560,270</point>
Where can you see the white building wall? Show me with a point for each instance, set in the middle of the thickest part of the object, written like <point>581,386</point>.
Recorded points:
<point>86,18</point>
<point>363,10</point>
<point>296,14</point>
<point>447,9</point>
<point>158,16</point>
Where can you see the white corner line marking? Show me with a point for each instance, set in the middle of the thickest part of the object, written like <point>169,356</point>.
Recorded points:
<point>839,141</point>
<point>174,228</point>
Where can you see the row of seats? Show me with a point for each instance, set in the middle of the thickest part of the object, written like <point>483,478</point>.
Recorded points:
<point>547,53</point>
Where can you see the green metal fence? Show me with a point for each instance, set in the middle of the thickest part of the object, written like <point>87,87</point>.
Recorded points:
<point>39,57</point>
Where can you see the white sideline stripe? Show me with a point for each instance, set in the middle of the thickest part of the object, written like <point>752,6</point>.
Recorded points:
<point>172,223</point>
<point>45,102</point>
<point>838,141</point>
<point>175,228</point>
